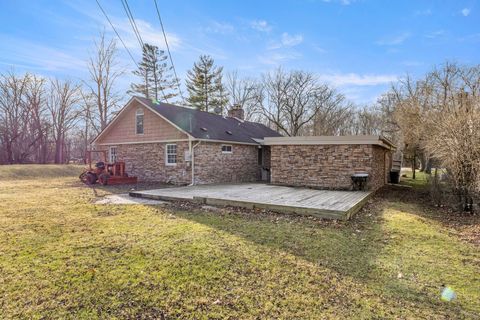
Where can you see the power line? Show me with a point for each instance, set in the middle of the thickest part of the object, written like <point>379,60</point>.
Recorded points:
<point>126,7</point>
<point>168,50</point>
<point>138,35</point>
<point>111,24</point>
<point>120,38</point>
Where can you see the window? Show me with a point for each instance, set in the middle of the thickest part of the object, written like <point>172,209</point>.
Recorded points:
<point>260,156</point>
<point>171,154</point>
<point>112,154</point>
<point>139,121</point>
<point>226,148</point>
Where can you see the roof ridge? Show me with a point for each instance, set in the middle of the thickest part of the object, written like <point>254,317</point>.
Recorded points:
<point>195,109</point>
<point>191,121</point>
<point>178,106</point>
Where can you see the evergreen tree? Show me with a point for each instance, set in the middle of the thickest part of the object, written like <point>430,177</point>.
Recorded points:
<point>205,87</point>
<point>157,80</point>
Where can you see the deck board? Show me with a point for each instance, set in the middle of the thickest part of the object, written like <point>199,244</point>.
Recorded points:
<point>323,203</point>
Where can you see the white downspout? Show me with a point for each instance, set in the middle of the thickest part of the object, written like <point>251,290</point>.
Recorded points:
<point>192,156</point>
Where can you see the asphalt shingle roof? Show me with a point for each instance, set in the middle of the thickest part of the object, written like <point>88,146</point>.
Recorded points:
<point>205,125</point>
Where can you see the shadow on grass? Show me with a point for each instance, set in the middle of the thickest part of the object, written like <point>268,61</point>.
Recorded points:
<point>349,248</point>
<point>420,197</point>
<point>361,249</point>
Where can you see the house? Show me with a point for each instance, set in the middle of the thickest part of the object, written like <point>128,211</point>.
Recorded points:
<point>164,142</point>
<point>172,144</point>
<point>328,162</point>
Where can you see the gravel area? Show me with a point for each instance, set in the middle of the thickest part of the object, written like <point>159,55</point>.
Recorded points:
<point>126,199</point>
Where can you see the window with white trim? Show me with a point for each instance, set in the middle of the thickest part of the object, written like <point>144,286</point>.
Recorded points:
<point>226,148</point>
<point>139,121</point>
<point>112,154</point>
<point>171,154</point>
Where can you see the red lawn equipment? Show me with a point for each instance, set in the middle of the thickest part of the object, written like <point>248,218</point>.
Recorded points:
<point>105,173</point>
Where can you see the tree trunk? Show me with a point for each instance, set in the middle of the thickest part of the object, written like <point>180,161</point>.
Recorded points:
<point>44,150</point>
<point>413,165</point>
<point>58,152</point>
<point>84,156</point>
<point>59,149</point>
<point>66,152</point>
<point>428,168</point>
<point>9,152</point>
<point>423,162</point>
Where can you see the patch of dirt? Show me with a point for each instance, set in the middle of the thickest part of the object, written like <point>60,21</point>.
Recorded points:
<point>126,199</point>
<point>252,214</point>
<point>119,189</point>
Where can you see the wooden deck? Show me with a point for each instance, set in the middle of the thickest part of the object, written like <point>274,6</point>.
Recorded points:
<point>321,203</point>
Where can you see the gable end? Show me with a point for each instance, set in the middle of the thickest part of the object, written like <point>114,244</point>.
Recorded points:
<point>122,128</point>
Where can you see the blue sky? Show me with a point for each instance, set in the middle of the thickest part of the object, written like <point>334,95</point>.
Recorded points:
<point>358,46</point>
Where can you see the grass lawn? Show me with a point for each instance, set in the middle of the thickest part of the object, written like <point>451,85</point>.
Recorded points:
<point>61,256</point>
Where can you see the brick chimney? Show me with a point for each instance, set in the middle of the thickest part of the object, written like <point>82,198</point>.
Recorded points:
<point>236,111</point>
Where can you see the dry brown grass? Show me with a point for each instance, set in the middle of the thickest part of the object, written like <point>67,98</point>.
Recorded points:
<point>61,256</point>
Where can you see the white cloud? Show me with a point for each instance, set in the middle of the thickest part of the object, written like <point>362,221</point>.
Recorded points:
<point>291,40</point>
<point>342,2</point>
<point>286,41</point>
<point>344,79</point>
<point>474,37</point>
<point>394,40</point>
<point>465,12</point>
<point>277,58</point>
<point>436,34</point>
<point>31,55</point>
<point>412,63</point>
<point>426,12</point>
<point>319,49</point>
<point>220,27</point>
<point>148,33</point>
<point>360,88</point>
<point>261,25</point>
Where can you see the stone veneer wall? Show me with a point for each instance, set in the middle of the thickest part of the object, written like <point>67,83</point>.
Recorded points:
<point>147,162</point>
<point>380,167</point>
<point>213,166</point>
<point>388,165</point>
<point>327,166</point>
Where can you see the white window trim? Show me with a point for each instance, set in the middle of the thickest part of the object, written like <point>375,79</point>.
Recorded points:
<point>110,153</point>
<point>227,145</point>
<point>139,112</point>
<point>166,154</point>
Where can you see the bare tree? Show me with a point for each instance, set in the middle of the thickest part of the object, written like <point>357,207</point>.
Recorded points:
<point>104,72</point>
<point>456,144</point>
<point>296,100</point>
<point>85,128</point>
<point>39,124</point>
<point>289,100</point>
<point>247,93</point>
<point>63,107</point>
<point>413,103</point>
<point>386,106</point>
<point>438,117</point>
<point>13,116</point>
<point>367,121</point>
<point>335,115</point>
<point>275,86</point>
